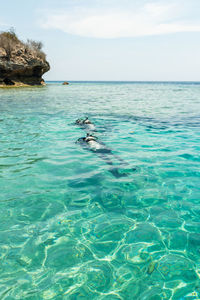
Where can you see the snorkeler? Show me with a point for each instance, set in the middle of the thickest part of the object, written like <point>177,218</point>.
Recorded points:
<point>86,124</point>
<point>93,144</point>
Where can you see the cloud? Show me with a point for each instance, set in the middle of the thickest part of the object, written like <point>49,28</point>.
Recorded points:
<point>155,18</point>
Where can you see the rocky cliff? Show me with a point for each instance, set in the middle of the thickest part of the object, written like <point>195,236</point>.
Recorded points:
<point>21,63</point>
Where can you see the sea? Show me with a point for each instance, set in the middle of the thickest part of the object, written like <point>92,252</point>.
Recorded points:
<point>79,224</point>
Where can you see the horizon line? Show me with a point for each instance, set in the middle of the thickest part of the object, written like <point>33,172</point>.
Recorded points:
<point>151,81</point>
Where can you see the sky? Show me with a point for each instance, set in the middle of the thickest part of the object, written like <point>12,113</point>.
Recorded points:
<point>129,40</point>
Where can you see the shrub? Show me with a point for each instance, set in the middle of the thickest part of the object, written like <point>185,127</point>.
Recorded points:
<point>8,40</point>
<point>36,46</point>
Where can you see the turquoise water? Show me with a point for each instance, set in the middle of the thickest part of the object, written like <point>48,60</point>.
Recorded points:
<point>69,228</point>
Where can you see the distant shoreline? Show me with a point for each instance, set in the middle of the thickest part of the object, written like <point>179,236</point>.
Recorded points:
<point>51,82</point>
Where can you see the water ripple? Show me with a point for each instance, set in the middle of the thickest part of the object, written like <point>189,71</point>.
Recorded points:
<point>69,228</point>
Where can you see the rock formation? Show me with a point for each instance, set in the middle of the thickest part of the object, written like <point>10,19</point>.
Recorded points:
<point>21,63</point>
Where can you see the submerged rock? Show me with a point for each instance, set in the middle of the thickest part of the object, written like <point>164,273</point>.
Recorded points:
<point>21,63</point>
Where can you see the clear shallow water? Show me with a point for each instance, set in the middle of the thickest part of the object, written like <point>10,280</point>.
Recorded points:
<point>70,229</point>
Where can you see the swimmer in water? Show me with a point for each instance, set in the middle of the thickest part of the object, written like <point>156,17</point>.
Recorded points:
<point>93,144</point>
<point>86,124</point>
